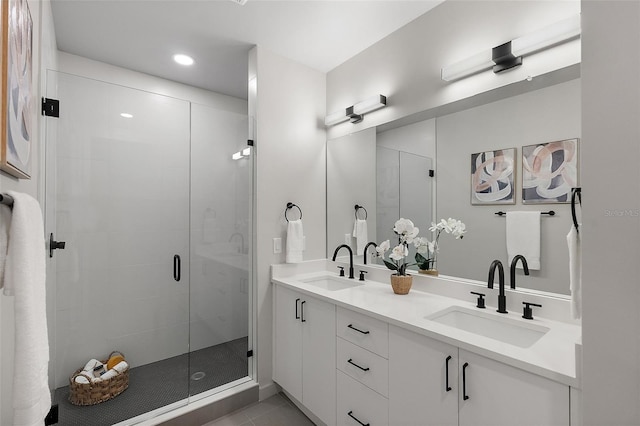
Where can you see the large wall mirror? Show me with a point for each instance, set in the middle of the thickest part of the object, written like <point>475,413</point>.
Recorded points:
<point>387,171</point>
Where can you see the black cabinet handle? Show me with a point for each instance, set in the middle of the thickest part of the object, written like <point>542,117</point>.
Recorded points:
<point>447,387</point>
<point>356,419</point>
<point>176,267</point>
<point>297,314</point>
<point>302,311</point>
<point>350,361</point>
<point>464,381</point>
<point>359,331</point>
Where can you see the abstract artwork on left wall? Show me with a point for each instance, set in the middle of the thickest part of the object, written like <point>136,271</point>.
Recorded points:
<point>16,140</point>
<point>549,171</point>
<point>492,180</point>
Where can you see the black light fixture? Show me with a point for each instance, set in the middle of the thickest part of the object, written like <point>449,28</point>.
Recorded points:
<point>503,58</point>
<point>355,113</point>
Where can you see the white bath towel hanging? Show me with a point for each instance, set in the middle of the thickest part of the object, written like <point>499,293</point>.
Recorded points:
<point>24,278</point>
<point>523,237</point>
<point>361,235</point>
<point>5,222</point>
<point>295,241</point>
<point>575,272</point>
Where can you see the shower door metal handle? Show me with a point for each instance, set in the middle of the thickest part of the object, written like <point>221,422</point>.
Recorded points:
<point>55,245</point>
<point>176,267</point>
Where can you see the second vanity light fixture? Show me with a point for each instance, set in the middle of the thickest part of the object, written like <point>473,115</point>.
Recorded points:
<point>509,54</point>
<point>355,113</point>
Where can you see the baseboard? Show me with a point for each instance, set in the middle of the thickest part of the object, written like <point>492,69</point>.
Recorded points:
<point>268,390</point>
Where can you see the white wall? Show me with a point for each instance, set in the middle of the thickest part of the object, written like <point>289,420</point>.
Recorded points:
<point>418,138</point>
<point>544,115</point>
<point>289,112</point>
<point>45,55</point>
<point>405,66</point>
<point>611,222</point>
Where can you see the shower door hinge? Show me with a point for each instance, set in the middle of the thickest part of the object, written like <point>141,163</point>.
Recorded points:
<point>50,107</point>
<point>250,142</point>
<point>52,416</point>
<point>250,353</point>
<point>432,173</point>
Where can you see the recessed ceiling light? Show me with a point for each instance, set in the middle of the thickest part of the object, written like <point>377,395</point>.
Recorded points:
<point>126,115</point>
<point>183,59</point>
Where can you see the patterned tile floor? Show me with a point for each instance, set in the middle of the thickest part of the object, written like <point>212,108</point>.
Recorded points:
<point>277,410</point>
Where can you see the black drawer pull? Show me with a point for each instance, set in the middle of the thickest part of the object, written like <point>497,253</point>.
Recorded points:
<point>297,314</point>
<point>359,331</point>
<point>447,387</point>
<point>464,381</point>
<point>302,311</point>
<point>356,419</point>
<point>350,361</point>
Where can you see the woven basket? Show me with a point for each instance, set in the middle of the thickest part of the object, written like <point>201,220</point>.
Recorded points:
<point>97,392</point>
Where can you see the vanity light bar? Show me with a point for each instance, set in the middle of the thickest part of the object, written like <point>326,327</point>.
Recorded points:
<point>355,112</point>
<point>560,32</point>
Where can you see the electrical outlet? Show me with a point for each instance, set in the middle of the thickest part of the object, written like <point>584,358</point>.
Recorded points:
<point>347,239</point>
<point>277,245</point>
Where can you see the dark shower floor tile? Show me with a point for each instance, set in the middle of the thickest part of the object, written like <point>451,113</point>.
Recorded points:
<point>161,383</point>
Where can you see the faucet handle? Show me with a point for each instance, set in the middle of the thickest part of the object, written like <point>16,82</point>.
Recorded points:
<point>527,311</point>
<point>362,275</point>
<point>480,301</point>
<point>341,270</point>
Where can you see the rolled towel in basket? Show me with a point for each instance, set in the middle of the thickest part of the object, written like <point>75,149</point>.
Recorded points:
<point>89,366</point>
<point>117,369</point>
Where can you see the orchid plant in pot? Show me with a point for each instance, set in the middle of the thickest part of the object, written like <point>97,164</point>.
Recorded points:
<point>427,251</point>
<point>407,233</point>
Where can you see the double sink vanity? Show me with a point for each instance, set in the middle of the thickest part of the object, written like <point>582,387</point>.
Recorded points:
<point>351,352</point>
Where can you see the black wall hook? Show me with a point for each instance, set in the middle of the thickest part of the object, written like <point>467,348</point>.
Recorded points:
<point>290,206</point>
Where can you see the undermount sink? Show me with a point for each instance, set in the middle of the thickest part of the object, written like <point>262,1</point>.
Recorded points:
<point>331,283</point>
<point>506,330</point>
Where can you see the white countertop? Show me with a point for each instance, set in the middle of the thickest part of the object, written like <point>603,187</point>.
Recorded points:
<point>553,356</point>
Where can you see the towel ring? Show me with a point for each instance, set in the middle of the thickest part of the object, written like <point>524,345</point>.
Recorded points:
<point>290,206</point>
<point>575,193</point>
<point>358,208</point>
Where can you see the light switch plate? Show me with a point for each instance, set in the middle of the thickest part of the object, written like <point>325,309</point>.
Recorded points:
<point>277,245</point>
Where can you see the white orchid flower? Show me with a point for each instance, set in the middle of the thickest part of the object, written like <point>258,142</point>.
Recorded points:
<point>403,226</point>
<point>382,248</point>
<point>399,252</point>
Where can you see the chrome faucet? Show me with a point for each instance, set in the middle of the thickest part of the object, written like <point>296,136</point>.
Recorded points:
<point>335,253</point>
<point>367,248</point>
<point>502,299</point>
<point>525,266</point>
<point>241,248</point>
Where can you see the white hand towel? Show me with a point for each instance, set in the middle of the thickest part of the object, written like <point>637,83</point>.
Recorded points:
<point>523,237</point>
<point>5,223</point>
<point>25,279</point>
<point>295,241</point>
<point>361,235</point>
<point>575,272</point>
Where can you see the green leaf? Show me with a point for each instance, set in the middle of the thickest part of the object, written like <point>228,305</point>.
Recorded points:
<point>390,265</point>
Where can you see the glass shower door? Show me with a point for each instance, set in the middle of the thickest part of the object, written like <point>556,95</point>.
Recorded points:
<point>122,206</point>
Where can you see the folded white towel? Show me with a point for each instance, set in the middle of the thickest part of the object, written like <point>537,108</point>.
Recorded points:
<point>24,278</point>
<point>295,241</point>
<point>575,272</point>
<point>361,235</point>
<point>523,237</point>
<point>5,223</point>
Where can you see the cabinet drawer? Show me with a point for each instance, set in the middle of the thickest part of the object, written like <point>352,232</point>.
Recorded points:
<point>366,367</point>
<point>364,331</point>
<point>356,401</point>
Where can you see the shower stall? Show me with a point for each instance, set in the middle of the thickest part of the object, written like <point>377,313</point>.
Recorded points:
<point>157,220</point>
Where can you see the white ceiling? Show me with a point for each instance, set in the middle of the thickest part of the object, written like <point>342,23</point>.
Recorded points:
<point>143,35</point>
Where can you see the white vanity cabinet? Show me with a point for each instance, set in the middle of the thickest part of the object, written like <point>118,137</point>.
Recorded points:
<point>304,362</point>
<point>432,383</point>
<point>502,395</point>
<point>423,380</point>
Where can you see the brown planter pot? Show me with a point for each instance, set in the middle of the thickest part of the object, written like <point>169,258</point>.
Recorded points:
<point>433,272</point>
<point>401,284</point>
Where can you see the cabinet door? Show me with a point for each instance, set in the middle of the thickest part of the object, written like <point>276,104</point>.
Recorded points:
<point>418,391</point>
<point>287,346</point>
<point>318,321</point>
<point>499,394</point>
